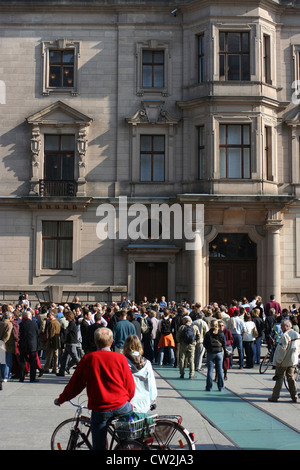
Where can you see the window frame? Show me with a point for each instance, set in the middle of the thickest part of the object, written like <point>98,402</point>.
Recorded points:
<point>59,153</point>
<point>226,53</point>
<point>201,57</point>
<point>60,45</point>
<point>266,78</point>
<point>154,45</point>
<point>60,216</point>
<point>153,65</point>
<point>201,151</point>
<point>268,160</point>
<point>58,239</point>
<point>153,153</point>
<point>61,64</point>
<point>241,146</point>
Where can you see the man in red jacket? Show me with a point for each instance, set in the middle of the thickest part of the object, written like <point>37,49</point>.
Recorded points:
<point>109,384</point>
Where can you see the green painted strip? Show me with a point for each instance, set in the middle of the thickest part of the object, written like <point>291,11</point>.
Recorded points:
<point>244,424</point>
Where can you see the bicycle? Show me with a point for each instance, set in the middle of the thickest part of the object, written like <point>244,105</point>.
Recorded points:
<point>297,377</point>
<point>73,433</point>
<point>267,360</point>
<point>152,433</point>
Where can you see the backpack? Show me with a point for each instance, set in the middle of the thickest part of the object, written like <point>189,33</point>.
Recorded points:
<point>144,325</point>
<point>188,334</point>
<point>165,327</point>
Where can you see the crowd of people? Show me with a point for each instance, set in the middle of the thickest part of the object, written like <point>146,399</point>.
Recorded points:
<point>83,337</point>
<point>60,335</point>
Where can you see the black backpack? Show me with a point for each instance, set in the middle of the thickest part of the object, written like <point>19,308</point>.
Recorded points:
<point>189,334</point>
<point>165,327</point>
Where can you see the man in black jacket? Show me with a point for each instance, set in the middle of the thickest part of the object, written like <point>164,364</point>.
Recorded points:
<point>28,346</point>
<point>70,346</point>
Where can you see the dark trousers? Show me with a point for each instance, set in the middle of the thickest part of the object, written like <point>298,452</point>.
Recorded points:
<point>31,358</point>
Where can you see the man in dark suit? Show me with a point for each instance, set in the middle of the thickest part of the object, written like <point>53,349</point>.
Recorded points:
<point>84,329</point>
<point>28,346</point>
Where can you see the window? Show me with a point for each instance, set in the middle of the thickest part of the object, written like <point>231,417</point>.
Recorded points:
<point>58,166</point>
<point>59,157</point>
<point>201,152</point>
<point>57,245</point>
<point>234,56</point>
<point>201,63</point>
<point>152,157</point>
<point>268,153</point>
<point>235,151</point>
<point>61,68</point>
<point>266,59</point>
<point>153,69</point>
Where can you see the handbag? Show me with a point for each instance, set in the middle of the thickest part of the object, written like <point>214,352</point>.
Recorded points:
<point>228,351</point>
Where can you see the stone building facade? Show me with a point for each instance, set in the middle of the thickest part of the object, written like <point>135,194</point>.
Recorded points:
<point>108,108</point>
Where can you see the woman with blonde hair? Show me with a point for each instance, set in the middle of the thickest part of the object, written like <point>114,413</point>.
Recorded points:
<point>143,375</point>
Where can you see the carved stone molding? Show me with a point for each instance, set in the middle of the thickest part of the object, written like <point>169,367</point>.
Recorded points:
<point>58,118</point>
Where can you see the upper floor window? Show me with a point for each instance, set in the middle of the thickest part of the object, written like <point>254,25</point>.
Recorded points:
<point>234,56</point>
<point>201,152</point>
<point>152,157</point>
<point>235,148</point>
<point>268,167</point>
<point>201,58</point>
<point>153,69</point>
<point>154,75</point>
<point>61,68</point>
<point>266,59</point>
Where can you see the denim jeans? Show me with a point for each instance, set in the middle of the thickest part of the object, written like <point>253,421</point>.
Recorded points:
<point>214,359</point>
<point>99,424</point>
<point>161,352</point>
<point>238,343</point>
<point>257,350</point>
<point>6,368</point>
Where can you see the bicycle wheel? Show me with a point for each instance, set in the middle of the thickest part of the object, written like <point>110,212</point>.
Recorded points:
<point>168,435</point>
<point>130,444</point>
<point>297,378</point>
<point>265,364</point>
<point>60,439</point>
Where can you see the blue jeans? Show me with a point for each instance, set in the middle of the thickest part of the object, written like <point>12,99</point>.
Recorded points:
<point>99,424</point>
<point>238,343</point>
<point>214,359</point>
<point>6,368</point>
<point>257,350</point>
<point>161,352</point>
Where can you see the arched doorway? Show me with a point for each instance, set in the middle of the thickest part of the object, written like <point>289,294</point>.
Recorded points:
<point>232,267</point>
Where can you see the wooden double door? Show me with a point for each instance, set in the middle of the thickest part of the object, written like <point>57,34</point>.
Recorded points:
<point>231,279</point>
<point>151,280</point>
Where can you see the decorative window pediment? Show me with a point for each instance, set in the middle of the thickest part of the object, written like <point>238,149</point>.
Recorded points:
<point>295,121</point>
<point>152,112</point>
<point>59,113</point>
<point>58,119</point>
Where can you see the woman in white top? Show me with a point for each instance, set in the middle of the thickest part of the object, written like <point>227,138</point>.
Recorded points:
<point>248,339</point>
<point>142,371</point>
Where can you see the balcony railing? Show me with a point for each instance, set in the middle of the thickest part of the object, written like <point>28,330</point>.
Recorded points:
<point>58,188</point>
